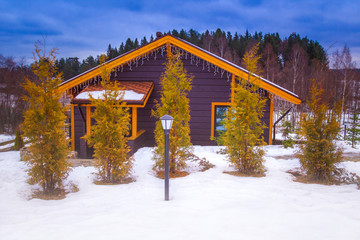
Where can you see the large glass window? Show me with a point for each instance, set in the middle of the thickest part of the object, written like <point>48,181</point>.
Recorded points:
<point>220,114</point>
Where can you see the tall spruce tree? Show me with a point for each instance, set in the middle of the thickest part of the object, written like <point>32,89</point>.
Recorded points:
<point>44,124</point>
<point>108,134</point>
<point>320,128</point>
<point>175,84</point>
<point>244,128</point>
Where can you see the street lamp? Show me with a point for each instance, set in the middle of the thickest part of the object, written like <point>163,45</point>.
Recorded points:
<point>166,122</point>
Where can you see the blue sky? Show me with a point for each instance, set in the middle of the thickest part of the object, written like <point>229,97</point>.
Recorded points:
<point>82,28</point>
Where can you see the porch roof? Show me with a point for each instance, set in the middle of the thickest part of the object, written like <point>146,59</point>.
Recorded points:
<point>135,92</point>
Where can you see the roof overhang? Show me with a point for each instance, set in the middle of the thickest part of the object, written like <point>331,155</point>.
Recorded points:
<point>193,49</point>
<point>136,93</point>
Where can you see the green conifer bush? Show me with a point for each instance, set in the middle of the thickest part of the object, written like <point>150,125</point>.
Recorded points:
<point>44,124</point>
<point>319,128</point>
<point>108,135</point>
<point>287,129</point>
<point>353,133</point>
<point>244,128</point>
<point>175,83</point>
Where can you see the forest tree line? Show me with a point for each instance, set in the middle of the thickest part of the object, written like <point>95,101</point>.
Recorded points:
<point>290,62</point>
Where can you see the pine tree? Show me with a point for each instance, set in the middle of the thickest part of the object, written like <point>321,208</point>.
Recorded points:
<point>44,124</point>
<point>320,129</point>
<point>243,124</point>
<point>354,131</point>
<point>108,135</point>
<point>175,83</point>
<point>287,129</point>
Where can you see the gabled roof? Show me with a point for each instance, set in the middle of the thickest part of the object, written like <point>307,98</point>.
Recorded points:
<point>170,40</point>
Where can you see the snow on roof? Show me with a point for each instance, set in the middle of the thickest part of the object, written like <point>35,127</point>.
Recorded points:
<point>129,95</point>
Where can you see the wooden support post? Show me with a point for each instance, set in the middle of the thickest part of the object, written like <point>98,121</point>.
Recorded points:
<point>232,87</point>
<point>72,128</point>
<point>134,122</point>
<point>271,117</point>
<point>168,50</point>
<point>88,119</point>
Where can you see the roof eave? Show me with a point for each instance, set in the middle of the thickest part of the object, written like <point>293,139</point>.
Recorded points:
<point>197,51</point>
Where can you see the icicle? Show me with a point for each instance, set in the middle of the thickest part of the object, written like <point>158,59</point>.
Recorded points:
<point>129,64</point>
<point>155,55</point>
<point>222,72</point>
<point>208,65</point>
<point>228,75</point>
<point>142,60</point>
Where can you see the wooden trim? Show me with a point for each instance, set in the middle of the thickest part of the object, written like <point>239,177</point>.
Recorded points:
<point>114,63</point>
<point>148,96</point>
<point>213,105</point>
<point>139,133</point>
<point>134,121</point>
<point>168,50</point>
<point>232,69</point>
<point>271,118</point>
<point>232,87</point>
<point>88,120</point>
<point>72,128</point>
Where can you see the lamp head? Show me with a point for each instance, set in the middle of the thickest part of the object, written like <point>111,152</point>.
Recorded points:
<point>166,122</point>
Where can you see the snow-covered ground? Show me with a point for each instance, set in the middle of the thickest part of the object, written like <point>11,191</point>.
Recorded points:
<point>203,205</point>
<point>5,137</point>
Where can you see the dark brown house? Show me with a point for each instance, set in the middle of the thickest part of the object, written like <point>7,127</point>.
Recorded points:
<point>139,73</point>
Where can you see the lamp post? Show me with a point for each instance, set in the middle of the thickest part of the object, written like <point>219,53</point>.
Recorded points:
<point>166,122</point>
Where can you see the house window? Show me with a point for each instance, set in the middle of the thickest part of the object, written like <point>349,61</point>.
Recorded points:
<point>218,114</point>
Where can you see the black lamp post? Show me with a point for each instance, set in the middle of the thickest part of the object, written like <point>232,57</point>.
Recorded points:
<point>166,122</point>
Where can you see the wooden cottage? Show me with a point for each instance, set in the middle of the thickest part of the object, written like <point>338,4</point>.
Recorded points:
<point>139,72</point>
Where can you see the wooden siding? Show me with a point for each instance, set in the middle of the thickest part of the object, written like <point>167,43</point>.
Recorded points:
<point>207,87</point>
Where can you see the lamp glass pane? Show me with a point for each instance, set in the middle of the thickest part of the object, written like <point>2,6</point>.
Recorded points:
<point>170,123</point>
<point>163,122</point>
